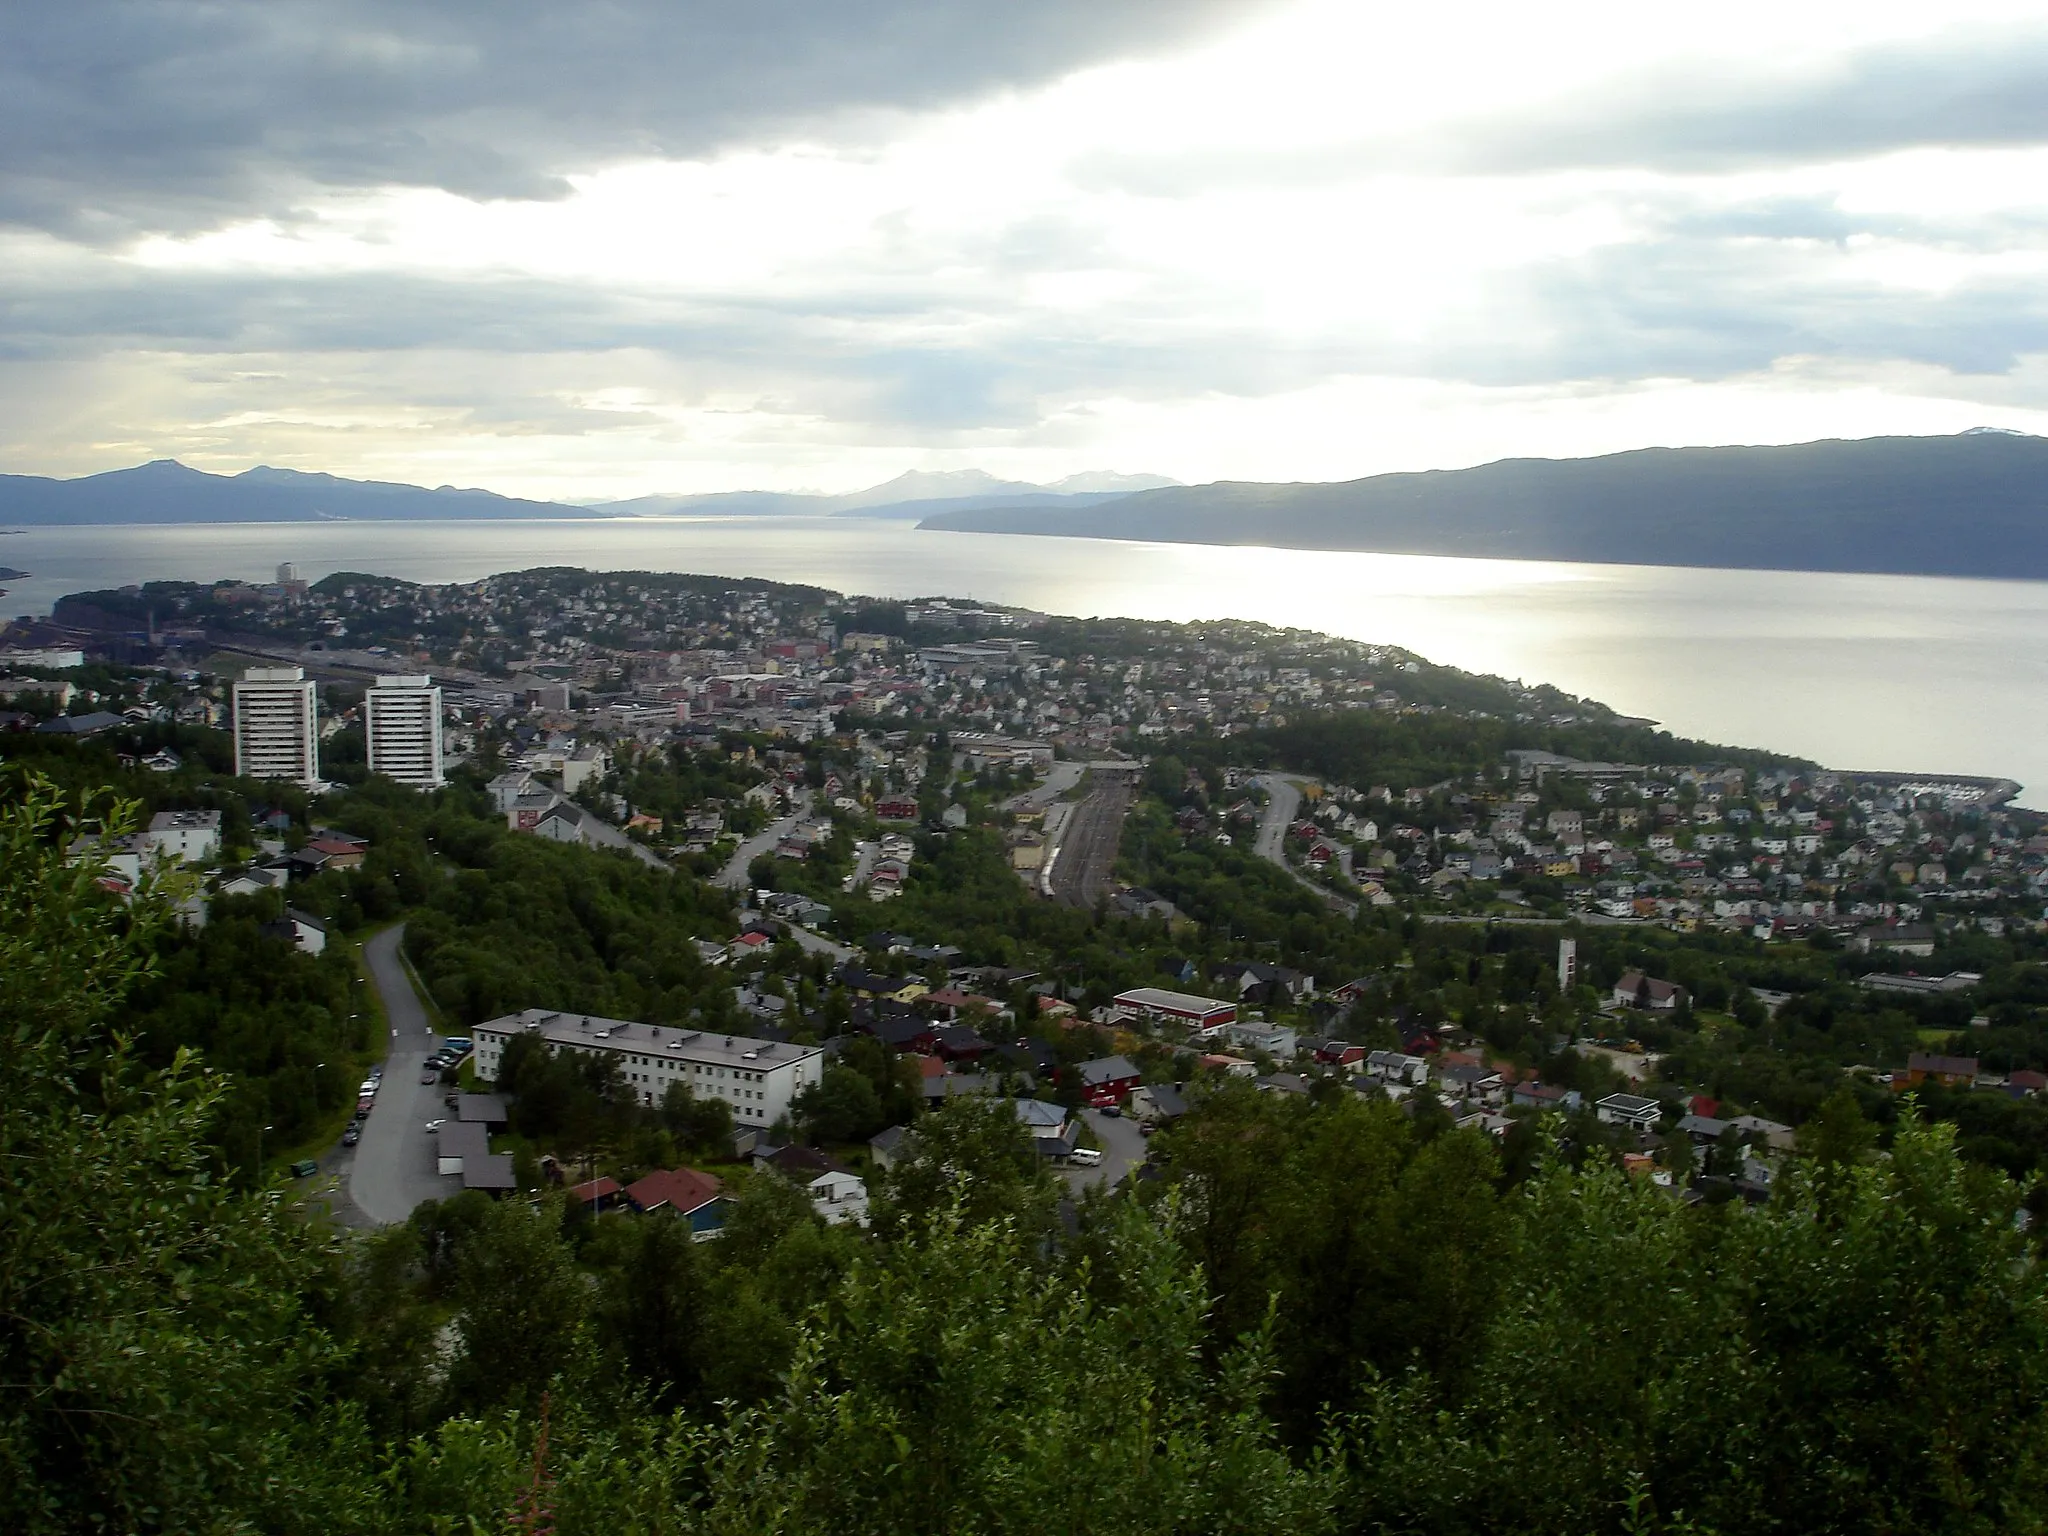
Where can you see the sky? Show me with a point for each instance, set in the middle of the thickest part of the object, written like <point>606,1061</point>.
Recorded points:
<point>633,246</point>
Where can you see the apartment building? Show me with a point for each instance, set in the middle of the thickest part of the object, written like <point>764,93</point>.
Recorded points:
<point>402,721</point>
<point>276,718</point>
<point>758,1078</point>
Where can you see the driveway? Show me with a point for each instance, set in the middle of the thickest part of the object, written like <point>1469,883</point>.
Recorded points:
<point>392,1169</point>
<point>1123,1150</point>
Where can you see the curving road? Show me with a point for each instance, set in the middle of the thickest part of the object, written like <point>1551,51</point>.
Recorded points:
<point>392,1170</point>
<point>1283,806</point>
<point>734,876</point>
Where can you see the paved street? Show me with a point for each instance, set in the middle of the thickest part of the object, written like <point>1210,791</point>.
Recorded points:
<point>391,1169</point>
<point>1063,776</point>
<point>1283,807</point>
<point>1123,1149</point>
<point>734,876</point>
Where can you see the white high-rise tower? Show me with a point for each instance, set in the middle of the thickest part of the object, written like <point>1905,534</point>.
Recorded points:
<point>277,726</point>
<point>402,719</point>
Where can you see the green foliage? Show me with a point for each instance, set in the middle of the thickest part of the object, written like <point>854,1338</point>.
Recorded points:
<point>155,1339</point>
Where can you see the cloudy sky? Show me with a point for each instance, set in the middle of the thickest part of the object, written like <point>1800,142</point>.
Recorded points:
<point>639,245</point>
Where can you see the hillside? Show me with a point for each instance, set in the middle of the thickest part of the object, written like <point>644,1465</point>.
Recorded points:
<point>1969,505</point>
<point>166,491</point>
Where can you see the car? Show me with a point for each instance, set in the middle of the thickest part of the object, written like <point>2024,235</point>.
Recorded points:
<point>458,1045</point>
<point>377,1072</point>
<point>362,1108</point>
<point>1112,1112</point>
<point>1084,1157</point>
<point>452,1100</point>
<point>435,1125</point>
<point>1146,1128</point>
<point>352,1135</point>
<point>431,1075</point>
<point>368,1087</point>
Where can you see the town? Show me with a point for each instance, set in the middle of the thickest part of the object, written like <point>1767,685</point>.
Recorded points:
<point>1215,853</point>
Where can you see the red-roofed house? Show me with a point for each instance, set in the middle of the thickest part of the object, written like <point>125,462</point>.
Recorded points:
<point>696,1197</point>
<point>598,1194</point>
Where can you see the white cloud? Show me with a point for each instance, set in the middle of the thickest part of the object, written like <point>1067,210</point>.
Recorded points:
<point>1299,251</point>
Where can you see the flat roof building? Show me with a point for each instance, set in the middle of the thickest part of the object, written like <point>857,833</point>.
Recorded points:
<point>402,726</point>
<point>276,720</point>
<point>1158,1003</point>
<point>758,1078</point>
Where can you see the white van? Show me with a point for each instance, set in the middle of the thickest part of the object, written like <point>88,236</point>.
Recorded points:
<point>1085,1157</point>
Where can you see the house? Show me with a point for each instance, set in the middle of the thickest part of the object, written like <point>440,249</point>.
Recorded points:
<point>1703,1129</point>
<point>1157,1103</point>
<point>1900,938</point>
<point>1949,1071</point>
<point>1779,1138</point>
<point>835,1192</point>
<point>1630,1110</point>
<point>958,1042</point>
<point>301,930</point>
<point>696,1197</point>
<point>1276,1041</point>
<point>886,1146</point>
<point>1053,1132</point>
<point>1339,1053</point>
<point>1468,1080</point>
<point>1635,990</point>
<point>1535,1095</point>
<point>1394,1067</point>
<point>1106,1081</point>
<point>1257,983</point>
<point>599,1194</point>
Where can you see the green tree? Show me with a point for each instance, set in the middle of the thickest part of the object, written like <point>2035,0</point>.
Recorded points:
<point>156,1351</point>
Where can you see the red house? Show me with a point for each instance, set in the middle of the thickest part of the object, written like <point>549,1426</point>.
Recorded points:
<point>897,809</point>
<point>1108,1081</point>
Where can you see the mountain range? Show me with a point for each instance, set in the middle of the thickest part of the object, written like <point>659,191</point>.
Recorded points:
<point>165,491</point>
<point>1974,504</point>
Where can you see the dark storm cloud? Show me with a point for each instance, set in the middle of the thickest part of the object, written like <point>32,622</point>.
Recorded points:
<point>119,117</point>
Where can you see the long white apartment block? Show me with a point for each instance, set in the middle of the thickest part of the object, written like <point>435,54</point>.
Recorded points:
<point>277,733</point>
<point>402,719</point>
<point>758,1078</point>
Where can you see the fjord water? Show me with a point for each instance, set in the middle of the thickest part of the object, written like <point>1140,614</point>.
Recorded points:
<point>1910,673</point>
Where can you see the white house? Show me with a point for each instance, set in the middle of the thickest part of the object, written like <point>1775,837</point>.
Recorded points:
<point>190,837</point>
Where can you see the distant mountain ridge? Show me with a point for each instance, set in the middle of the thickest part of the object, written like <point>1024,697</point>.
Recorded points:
<point>1974,504</point>
<point>911,494</point>
<point>165,491</point>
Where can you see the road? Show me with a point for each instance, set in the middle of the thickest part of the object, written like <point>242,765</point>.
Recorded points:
<point>1283,806</point>
<point>391,1170</point>
<point>734,876</point>
<point>1086,852</point>
<point>1064,776</point>
<point>1123,1150</point>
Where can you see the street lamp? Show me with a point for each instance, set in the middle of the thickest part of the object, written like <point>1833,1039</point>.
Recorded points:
<point>259,1149</point>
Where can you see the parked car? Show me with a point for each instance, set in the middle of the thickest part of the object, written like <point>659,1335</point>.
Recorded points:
<point>1084,1157</point>
<point>452,1100</point>
<point>362,1108</point>
<point>431,1075</point>
<point>352,1135</point>
<point>1112,1112</point>
<point>435,1125</point>
<point>377,1072</point>
<point>368,1087</point>
<point>305,1169</point>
